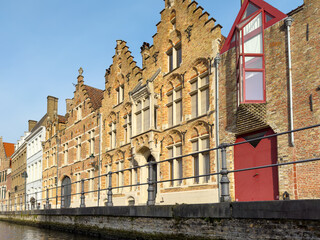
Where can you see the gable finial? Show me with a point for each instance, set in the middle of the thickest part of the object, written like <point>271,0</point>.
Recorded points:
<point>80,71</point>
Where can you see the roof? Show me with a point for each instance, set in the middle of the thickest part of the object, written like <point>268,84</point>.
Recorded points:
<point>8,148</point>
<point>39,124</point>
<point>95,95</point>
<point>62,119</point>
<point>277,16</point>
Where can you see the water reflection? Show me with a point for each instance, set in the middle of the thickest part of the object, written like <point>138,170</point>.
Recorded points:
<point>9,231</point>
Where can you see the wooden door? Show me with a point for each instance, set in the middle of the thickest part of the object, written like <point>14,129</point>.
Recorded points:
<point>260,184</point>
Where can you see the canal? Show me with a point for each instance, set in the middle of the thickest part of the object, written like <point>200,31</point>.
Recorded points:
<point>10,231</point>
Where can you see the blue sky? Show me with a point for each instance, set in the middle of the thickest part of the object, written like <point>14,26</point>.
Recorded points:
<point>44,42</point>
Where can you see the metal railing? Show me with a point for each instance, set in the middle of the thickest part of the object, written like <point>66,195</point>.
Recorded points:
<point>47,199</point>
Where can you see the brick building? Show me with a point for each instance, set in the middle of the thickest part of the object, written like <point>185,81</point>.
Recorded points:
<point>71,150</point>
<point>6,150</point>
<point>266,88</point>
<point>164,110</point>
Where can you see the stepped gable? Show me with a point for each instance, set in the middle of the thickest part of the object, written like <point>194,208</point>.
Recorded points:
<point>122,59</point>
<point>9,148</point>
<point>95,95</point>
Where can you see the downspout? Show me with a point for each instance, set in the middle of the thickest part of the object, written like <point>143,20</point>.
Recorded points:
<point>217,61</point>
<point>99,180</point>
<point>288,23</point>
<point>58,145</point>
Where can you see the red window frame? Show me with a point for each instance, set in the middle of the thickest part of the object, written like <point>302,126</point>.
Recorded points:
<point>241,68</point>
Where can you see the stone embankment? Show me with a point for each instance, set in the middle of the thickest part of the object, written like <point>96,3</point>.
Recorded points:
<point>246,220</point>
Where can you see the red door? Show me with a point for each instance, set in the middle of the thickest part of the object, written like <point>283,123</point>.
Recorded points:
<point>260,184</point>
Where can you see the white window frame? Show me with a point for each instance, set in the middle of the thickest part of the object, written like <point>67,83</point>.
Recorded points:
<point>203,166</point>
<point>198,92</point>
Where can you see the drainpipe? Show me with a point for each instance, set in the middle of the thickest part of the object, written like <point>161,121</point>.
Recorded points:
<point>288,23</point>
<point>99,180</point>
<point>217,61</point>
<point>58,145</point>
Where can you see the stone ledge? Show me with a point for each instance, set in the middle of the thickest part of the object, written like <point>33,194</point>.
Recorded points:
<point>296,209</point>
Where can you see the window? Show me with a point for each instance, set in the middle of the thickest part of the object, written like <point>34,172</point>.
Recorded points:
<point>65,153</point>
<point>199,95</point>
<point>174,106</point>
<point>79,113</point>
<point>127,128</point>
<point>112,134</point>
<point>120,94</point>
<point>174,57</point>
<point>175,166</point>
<point>201,161</point>
<point>78,147</point>
<point>91,183</point>
<point>250,60</point>
<point>91,142</point>
<point>143,116</point>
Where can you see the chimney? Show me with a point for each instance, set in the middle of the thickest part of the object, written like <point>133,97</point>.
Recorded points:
<point>31,125</point>
<point>68,105</point>
<point>52,106</point>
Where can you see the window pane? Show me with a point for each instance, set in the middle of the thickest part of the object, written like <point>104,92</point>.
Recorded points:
<point>179,57</point>
<point>204,81</point>
<point>204,101</point>
<point>195,146</point>
<point>253,62</point>
<point>170,115</point>
<point>170,57</point>
<point>252,33</point>
<point>147,102</point>
<point>254,86</point>
<point>178,94</point>
<point>206,158</point>
<point>139,106</point>
<point>170,152</point>
<point>180,165</point>
<point>196,168</point>
<point>194,105</point>
<point>178,151</point>
<point>269,17</point>
<point>194,86</point>
<point>147,119</point>
<point>170,98</point>
<point>254,44</point>
<point>205,143</point>
<point>250,10</point>
<point>178,112</point>
<point>139,121</point>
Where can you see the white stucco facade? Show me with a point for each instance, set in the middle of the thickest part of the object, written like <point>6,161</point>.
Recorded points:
<point>34,165</point>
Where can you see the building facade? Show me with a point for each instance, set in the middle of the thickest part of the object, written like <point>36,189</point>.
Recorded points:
<point>269,83</point>
<point>72,150</point>
<point>18,174</point>
<point>6,150</point>
<point>164,110</point>
<point>34,164</point>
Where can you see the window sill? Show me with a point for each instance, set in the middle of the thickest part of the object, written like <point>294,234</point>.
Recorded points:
<point>198,117</point>
<point>118,104</point>
<point>171,71</point>
<point>171,127</point>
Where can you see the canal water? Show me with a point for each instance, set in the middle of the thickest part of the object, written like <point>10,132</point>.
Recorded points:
<point>10,231</point>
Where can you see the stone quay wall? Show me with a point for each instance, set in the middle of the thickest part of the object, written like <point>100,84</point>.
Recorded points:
<point>238,220</point>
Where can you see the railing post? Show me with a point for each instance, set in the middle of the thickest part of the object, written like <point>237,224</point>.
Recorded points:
<point>47,201</point>
<point>109,203</point>
<point>82,198</point>
<point>21,204</point>
<point>225,194</point>
<point>62,196</point>
<point>151,189</point>
<point>15,203</point>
